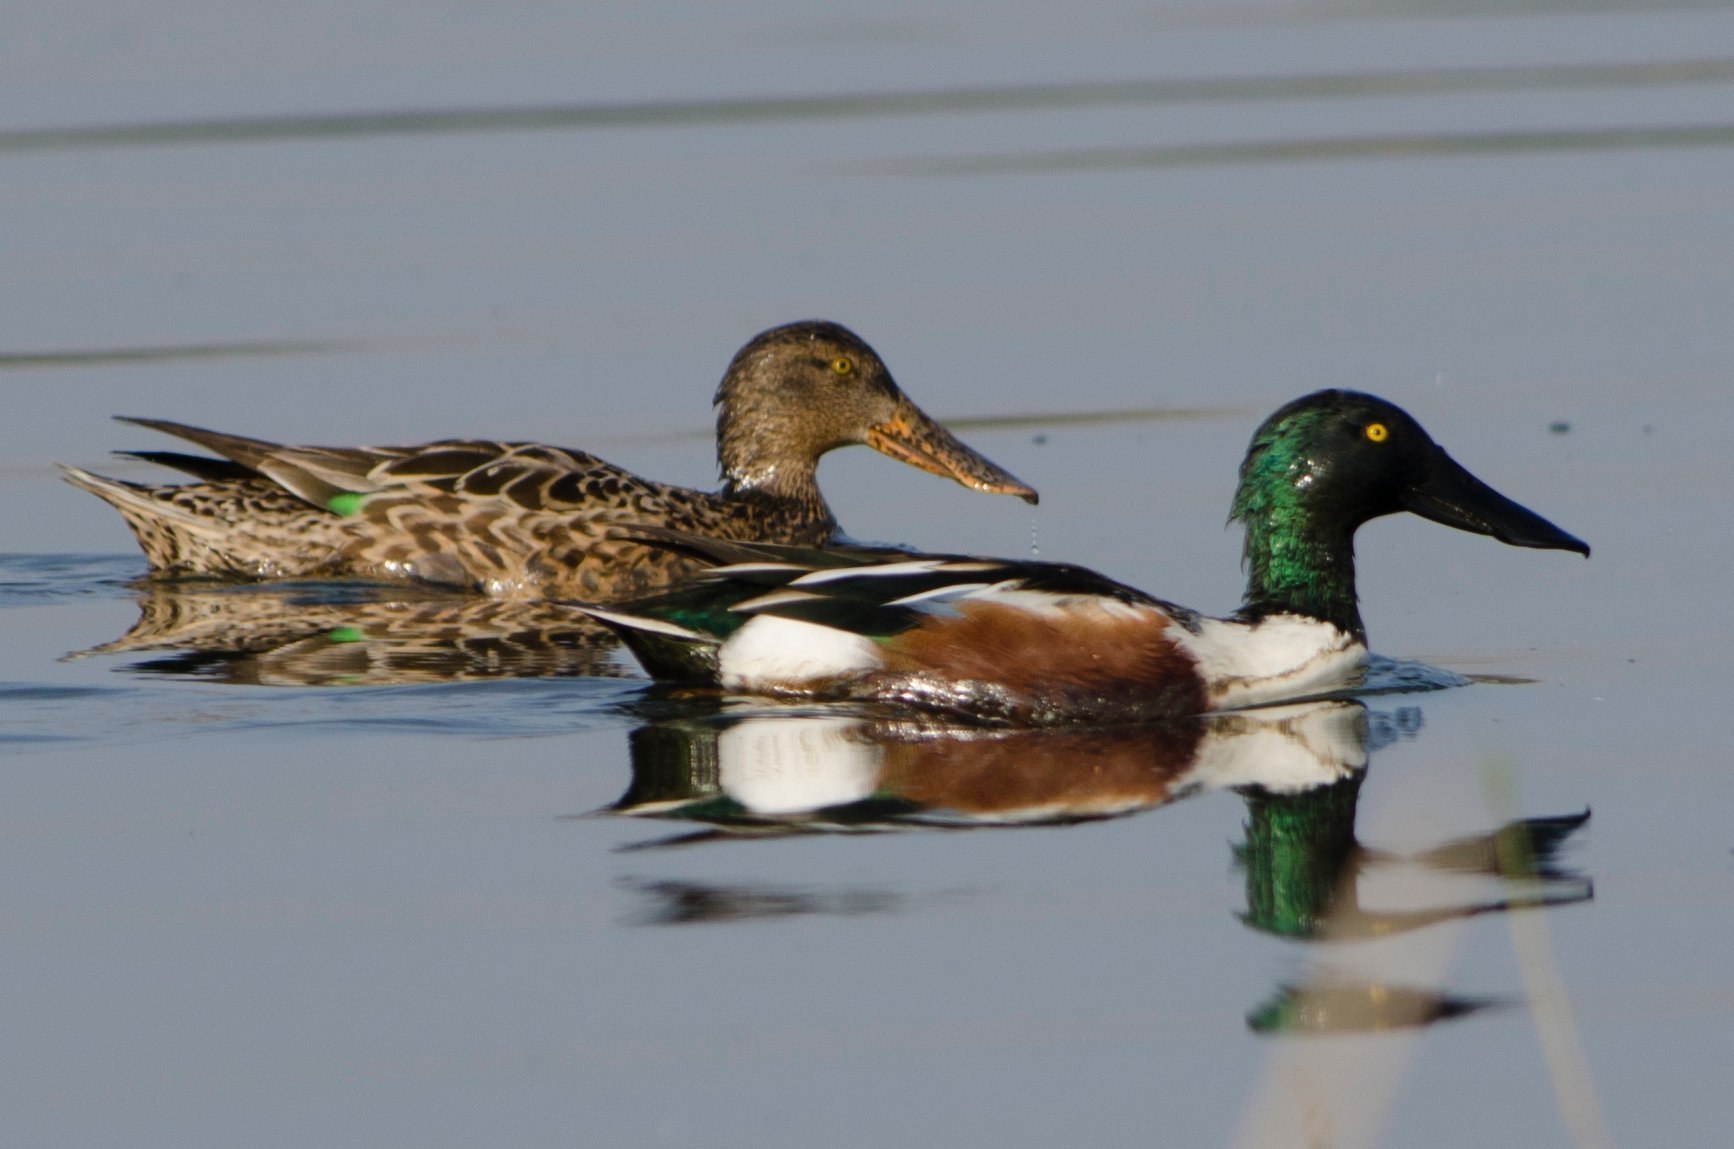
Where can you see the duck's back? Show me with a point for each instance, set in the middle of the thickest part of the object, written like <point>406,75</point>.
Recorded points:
<point>506,518</point>
<point>530,518</point>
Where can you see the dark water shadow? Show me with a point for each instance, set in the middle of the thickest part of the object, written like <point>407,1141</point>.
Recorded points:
<point>1501,680</point>
<point>857,105</point>
<point>1119,418</point>
<point>1315,150</point>
<point>682,903</point>
<point>34,580</point>
<point>27,693</point>
<point>1034,421</point>
<point>168,353</point>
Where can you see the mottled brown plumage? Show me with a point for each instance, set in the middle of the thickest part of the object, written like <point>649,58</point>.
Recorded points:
<point>524,519</point>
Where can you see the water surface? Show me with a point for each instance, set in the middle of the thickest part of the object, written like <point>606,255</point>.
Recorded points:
<point>387,869</point>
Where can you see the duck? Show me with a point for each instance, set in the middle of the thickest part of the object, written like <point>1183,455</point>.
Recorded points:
<point>532,520</point>
<point>1022,642</point>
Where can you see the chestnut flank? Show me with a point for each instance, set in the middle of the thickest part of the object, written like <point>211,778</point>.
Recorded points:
<point>1084,660</point>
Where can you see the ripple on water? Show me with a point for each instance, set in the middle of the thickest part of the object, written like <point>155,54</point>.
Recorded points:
<point>38,692</point>
<point>1395,676</point>
<point>47,716</point>
<point>31,580</point>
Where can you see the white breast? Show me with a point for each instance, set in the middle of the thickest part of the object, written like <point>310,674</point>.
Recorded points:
<point>771,653</point>
<point>1281,657</point>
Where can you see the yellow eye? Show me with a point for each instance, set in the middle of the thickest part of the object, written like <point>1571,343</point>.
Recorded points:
<point>842,365</point>
<point>1378,432</point>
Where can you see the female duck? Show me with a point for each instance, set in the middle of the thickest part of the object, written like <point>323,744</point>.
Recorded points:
<point>1030,642</point>
<point>528,519</point>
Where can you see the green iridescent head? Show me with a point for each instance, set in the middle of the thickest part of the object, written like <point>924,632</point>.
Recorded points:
<point>1324,464</point>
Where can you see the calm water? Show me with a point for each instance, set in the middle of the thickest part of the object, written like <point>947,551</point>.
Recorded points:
<point>312,865</point>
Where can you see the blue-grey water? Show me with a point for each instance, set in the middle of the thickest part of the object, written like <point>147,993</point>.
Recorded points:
<point>324,866</point>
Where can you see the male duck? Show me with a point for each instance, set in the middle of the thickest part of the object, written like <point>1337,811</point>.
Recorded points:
<point>527,519</point>
<point>1031,642</point>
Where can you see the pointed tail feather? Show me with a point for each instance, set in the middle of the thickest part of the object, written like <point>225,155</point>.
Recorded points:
<point>304,472</point>
<point>665,649</point>
<point>174,538</point>
<point>127,498</point>
<point>199,466</point>
<point>247,452</point>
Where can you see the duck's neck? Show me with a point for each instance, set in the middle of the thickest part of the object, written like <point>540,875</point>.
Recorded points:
<point>789,487</point>
<point>1295,566</point>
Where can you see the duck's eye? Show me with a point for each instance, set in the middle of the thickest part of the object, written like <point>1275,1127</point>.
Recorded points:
<point>842,365</point>
<point>1378,432</point>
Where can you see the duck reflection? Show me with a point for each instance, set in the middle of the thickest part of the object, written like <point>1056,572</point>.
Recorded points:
<point>336,634</point>
<point>1304,867</point>
<point>1333,1005</point>
<point>1299,770</point>
<point>1304,870</point>
<point>840,772</point>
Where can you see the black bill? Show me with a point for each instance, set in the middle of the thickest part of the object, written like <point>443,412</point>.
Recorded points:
<point>1451,495</point>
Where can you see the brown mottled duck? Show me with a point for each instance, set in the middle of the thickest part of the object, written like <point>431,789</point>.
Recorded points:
<point>526,519</point>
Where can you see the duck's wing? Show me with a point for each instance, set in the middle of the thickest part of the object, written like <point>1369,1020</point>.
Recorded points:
<point>871,593</point>
<point>533,476</point>
<point>768,562</point>
<point>883,574</point>
<point>316,474</point>
<point>201,467</point>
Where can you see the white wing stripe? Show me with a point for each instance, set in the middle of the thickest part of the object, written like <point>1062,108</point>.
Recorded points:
<point>774,598</point>
<point>895,570</point>
<point>955,590</point>
<point>639,622</point>
<point>753,568</point>
<point>881,570</point>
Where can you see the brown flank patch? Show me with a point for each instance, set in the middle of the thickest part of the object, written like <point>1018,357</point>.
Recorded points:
<point>1084,659</point>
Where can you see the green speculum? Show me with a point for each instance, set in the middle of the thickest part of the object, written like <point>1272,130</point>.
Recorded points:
<point>345,504</point>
